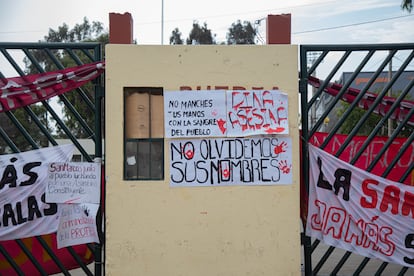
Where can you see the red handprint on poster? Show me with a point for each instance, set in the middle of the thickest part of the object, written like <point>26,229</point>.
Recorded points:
<point>188,151</point>
<point>284,167</point>
<point>225,172</point>
<point>280,148</point>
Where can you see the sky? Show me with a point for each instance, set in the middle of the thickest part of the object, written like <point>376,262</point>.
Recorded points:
<point>313,21</point>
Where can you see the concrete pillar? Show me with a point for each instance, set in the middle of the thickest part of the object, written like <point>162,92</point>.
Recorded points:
<point>278,29</point>
<point>120,28</point>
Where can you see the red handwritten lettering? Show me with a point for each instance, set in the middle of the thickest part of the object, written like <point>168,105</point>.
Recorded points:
<point>338,224</point>
<point>392,200</point>
<point>369,192</point>
<point>254,110</point>
<point>408,204</point>
<point>391,197</point>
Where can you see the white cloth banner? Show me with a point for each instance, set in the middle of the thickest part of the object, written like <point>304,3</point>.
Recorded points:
<point>360,212</point>
<point>77,224</point>
<point>23,211</point>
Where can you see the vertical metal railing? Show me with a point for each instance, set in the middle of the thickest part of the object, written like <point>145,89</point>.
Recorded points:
<point>15,59</point>
<point>343,65</point>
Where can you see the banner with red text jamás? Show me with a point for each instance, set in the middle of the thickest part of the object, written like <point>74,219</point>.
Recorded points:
<point>358,211</point>
<point>26,90</point>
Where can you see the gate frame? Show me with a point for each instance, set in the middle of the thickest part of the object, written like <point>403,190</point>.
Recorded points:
<point>94,52</point>
<point>305,72</point>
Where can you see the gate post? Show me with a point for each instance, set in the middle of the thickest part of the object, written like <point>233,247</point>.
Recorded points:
<point>279,32</point>
<point>278,29</point>
<point>120,28</point>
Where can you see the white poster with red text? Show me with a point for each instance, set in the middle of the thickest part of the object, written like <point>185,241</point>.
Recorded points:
<point>253,112</point>
<point>225,113</point>
<point>358,211</point>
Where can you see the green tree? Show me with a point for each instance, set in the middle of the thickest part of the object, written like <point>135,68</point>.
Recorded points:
<point>407,5</point>
<point>372,121</point>
<point>26,122</point>
<point>240,33</point>
<point>175,38</point>
<point>354,117</point>
<point>84,32</point>
<point>200,35</point>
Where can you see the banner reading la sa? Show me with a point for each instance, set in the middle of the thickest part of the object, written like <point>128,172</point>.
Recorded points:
<point>359,211</point>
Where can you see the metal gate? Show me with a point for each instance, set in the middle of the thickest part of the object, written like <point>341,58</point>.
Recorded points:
<point>25,129</point>
<point>362,92</point>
